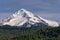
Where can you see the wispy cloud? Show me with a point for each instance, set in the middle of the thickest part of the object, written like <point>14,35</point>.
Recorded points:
<point>43,5</point>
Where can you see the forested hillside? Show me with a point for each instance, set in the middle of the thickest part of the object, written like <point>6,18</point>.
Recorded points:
<point>32,33</point>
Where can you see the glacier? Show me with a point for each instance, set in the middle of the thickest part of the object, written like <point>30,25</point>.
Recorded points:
<point>23,16</point>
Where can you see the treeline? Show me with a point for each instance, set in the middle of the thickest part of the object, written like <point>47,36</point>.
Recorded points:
<point>31,33</point>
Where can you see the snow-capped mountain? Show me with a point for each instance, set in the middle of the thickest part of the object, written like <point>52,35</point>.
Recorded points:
<point>26,17</point>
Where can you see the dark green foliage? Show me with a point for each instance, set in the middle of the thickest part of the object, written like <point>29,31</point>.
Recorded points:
<point>33,33</point>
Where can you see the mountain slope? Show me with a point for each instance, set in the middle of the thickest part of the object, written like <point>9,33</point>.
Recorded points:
<point>23,16</point>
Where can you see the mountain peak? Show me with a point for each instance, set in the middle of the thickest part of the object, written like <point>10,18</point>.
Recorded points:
<point>25,12</point>
<point>26,17</point>
<point>23,9</point>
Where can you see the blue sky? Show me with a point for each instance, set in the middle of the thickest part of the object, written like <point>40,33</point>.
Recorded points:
<point>49,9</point>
